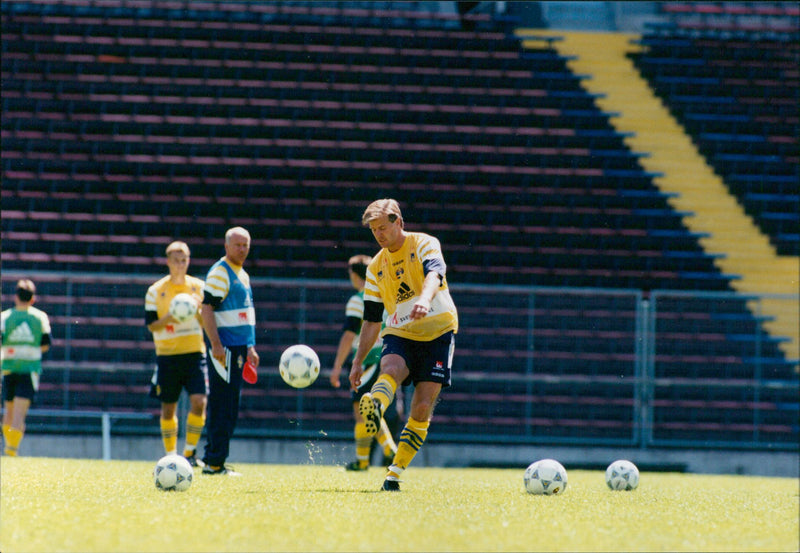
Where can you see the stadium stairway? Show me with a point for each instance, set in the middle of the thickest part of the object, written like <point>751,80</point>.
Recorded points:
<point>694,187</point>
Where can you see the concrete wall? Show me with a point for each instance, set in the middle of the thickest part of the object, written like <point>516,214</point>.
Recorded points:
<point>332,452</point>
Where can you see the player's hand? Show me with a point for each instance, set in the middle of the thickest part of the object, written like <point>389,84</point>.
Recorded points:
<point>334,377</point>
<point>355,376</point>
<point>218,353</point>
<point>252,356</point>
<point>420,309</point>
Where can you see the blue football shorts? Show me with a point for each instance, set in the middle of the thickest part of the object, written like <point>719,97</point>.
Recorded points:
<point>426,361</point>
<point>175,372</point>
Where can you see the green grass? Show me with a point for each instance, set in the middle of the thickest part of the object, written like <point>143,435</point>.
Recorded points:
<point>87,505</point>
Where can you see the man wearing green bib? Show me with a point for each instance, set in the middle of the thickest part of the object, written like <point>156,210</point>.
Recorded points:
<point>25,337</point>
<point>348,343</point>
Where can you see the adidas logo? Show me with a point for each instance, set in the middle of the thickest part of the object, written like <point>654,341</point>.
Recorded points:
<point>21,335</point>
<point>404,292</point>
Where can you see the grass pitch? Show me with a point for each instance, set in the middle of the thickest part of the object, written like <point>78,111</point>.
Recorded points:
<point>87,505</point>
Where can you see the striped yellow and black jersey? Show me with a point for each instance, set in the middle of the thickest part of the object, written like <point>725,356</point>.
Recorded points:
<point>175,338</point>
<point>395,279</point>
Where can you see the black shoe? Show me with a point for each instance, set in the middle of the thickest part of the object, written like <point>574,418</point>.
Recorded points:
<point>391,485</point>
<point>371,410</point>
<point>194,461</point>
<point>354,466</point>
<point>208,469</point>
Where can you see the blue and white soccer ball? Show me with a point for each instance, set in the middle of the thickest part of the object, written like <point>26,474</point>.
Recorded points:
<point>183,307</point>
<point>299,366</point>
<point>545,477</point>
<point>622,475</point>
<point>173,473</point>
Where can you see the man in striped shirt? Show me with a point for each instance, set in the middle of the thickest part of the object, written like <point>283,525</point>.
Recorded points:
<point>229,320</point>
<point>407,278</point>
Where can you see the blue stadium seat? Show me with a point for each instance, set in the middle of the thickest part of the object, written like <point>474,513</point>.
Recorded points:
<point>723,103</point>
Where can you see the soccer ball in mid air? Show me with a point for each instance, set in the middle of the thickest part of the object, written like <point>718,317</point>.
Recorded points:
<point>622,475</point>
<point>545,477</point>
<point>173,473</point>
<point>299,366</point>
<point>183,307</point>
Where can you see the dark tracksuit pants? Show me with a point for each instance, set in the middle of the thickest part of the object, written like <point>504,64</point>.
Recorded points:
<point>223,406</point>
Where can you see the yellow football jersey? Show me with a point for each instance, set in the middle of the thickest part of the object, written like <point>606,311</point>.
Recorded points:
<point>176,338</point>
<point>395,279</point>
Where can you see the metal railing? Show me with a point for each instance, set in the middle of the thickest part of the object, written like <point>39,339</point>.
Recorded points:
<point>535,364</point>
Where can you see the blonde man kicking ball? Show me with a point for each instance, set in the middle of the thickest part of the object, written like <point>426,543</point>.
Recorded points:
<point>407,277</point>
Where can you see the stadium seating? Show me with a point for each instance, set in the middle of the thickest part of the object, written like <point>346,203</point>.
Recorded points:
<point>125,128</point>
<point>737,97</point>
<point>357,117</point>
<point>747,18</point>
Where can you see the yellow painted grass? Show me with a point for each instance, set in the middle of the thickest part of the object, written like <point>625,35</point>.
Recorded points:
<point>88,505</point>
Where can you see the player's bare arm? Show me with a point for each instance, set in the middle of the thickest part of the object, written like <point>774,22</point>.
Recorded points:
<point>369,333</point>
<point>210,326</point>
<point>342,351</point>
<point>252,356</point>
<point>429,288</point>
<point>159,324</point>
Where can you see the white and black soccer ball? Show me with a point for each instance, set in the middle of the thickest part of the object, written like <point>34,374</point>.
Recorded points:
<point>173,473</point>
<point>183,307</point>
<point>299,366</point>
<point>622,475</point>
<point>545,477</point>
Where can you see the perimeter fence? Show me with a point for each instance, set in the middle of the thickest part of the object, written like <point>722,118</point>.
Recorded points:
<point>532,364</point>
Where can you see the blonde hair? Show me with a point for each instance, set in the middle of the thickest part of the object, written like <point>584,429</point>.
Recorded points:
<point>379,208</point>
<point>178,246</point>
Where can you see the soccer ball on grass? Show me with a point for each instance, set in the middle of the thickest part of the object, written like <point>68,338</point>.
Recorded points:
<point>545,477</point>
<point>183,307</point>
<point>622,475</point>
<point>173,473</point>
<point>299,366</point>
